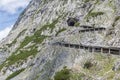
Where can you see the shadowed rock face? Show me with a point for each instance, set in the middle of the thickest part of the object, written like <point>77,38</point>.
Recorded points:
<point>72,21</point>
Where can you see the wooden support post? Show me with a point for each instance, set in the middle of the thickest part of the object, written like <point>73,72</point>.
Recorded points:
<point>62,44</point>
<point>79,46</point>
<point>59,44</point>
<point>93,50</point>
<point>82,47</point>
<point>88,48</point>
<point>109,51</point>
<point>101,50</point>
<point>73,46</point>
<point>69,45</point>
<point>119,52</point>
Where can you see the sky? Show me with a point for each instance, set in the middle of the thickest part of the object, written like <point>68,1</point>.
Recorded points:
<point>9,12</point>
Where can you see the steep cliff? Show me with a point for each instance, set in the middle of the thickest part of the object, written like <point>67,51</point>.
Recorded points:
<point>27,52</point>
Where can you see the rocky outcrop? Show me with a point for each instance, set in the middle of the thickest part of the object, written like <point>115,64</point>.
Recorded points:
<point>116,66</point>
<point>26,54</point>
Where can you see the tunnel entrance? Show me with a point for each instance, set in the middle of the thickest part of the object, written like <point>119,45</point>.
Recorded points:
<point>72,21</point>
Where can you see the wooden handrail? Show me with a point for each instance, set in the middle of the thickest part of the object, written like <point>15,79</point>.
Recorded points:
<point>102,49</point>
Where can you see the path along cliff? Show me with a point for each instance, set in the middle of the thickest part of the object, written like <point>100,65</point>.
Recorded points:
<point>24,54</point>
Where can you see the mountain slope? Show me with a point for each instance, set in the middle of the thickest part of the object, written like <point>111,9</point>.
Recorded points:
<point>27,53</point>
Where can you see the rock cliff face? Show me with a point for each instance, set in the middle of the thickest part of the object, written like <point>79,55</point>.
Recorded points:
<point>26,55</point>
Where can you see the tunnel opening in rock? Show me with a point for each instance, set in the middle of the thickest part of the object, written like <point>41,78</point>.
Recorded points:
<point>72,21</point>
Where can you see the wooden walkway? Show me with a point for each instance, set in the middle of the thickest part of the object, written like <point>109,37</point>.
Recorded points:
<point>110,50</point>
<point>101,49</point>
<point>92,29</point>
<point>86,26</point>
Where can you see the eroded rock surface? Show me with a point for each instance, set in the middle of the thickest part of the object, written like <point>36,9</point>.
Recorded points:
<point>25,54</point>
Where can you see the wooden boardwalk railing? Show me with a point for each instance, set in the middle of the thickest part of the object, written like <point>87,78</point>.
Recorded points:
<point>86,26</point>
<point>110,50</point>
<point>102,49</point>
<point>92,29</point>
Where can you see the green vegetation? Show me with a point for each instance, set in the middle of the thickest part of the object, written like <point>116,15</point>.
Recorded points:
<point>26,41</point>
<point>77,24</point>
<point>65,2</point>
<point>61,30</point>
<point>37,38</point>
<point>80,76</point>
<point>67,74</point>
<point>99,57</point>
<point>88,65</point>
<point>22,56</point>
<point>77,76</point>
<point>15,40</point>
<point>51,26</point>
<point>15,74</point>
<point>39,74</point>
<point>9,45</point>
<point>111,5</point>
<point>115,20</point>
<point>110,75</point>
<point>95,14</point>
<point>17,57</point>
<point>64,74</point>
<point>21,33</point>
<point>91,13</point>
<point>102,65</point>
<point>85,1</point>
<point>107,65</point>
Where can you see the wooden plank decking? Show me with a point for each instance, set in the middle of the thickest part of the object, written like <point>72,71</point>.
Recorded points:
<point>102,49</point>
